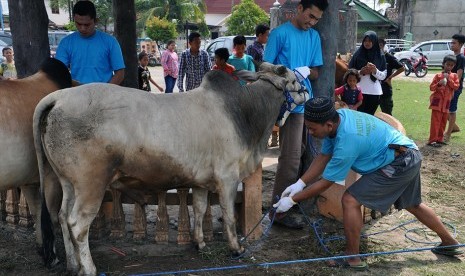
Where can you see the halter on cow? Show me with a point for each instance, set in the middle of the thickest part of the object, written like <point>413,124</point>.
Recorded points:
<point>18,99</point>
<point>209,138</point>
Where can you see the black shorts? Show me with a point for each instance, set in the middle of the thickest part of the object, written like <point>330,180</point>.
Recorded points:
<point>397,183</point>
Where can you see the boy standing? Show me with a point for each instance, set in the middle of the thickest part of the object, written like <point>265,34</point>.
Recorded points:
<point>8,68</point>
<point>195,63</point>
<point>239,59</point>
<point>143,73</point>
<point>443,86</point>
<point>456,45</point>
<point>257,49</point>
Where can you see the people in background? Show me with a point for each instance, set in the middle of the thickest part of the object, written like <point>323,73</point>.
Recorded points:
<point>350,93</point>
<point>169,62</point>
<point>388,161</point>
<point>286,46</point>
<point>8,68</point>
<point>193,65</point>
<point>442,90</point>
<point>92,55</point>
<point>456,45</point>
<point>393,68</point>
<point>257,49</point>
<point>221,61</point>
<point>144,77</point>
<point>370,61</point>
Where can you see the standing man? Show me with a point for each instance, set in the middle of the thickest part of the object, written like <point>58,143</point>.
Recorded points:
<point>385,101</point>
<point>92,55</point>
<point>297,46</point>
<point>194,64</point>
<point>257,49</point>
<point>456,45</point>
<point>388,161</point>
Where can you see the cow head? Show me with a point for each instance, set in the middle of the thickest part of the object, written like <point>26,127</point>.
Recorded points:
<point>280,76</point>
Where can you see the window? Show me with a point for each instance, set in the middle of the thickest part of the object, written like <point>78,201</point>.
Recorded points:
<point>440,47</point>
<point>55,6</point>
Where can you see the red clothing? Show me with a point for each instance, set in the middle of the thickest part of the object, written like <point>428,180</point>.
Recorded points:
<point>348,95</point>
<point>228,68</point>
<point>440,98</point>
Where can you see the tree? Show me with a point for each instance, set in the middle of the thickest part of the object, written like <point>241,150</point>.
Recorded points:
<point>179,10</point>
<point>161,29</point>
<point>29,25</point>
<point>245,17</point>
<point>125,33</point>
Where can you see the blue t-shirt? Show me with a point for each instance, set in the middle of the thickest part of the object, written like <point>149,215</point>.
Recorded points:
<point>294,48</point>
<point>91,59</point>
<point>361,144</point>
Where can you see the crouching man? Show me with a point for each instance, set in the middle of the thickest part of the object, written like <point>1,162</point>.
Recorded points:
<point>388,161</point>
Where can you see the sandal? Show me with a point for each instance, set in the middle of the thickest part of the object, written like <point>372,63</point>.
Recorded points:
<point>447,251</point>
<point>362,266</point>
<point>434,144</point>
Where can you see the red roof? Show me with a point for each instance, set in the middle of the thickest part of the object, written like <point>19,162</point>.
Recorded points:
<point>224,6</point>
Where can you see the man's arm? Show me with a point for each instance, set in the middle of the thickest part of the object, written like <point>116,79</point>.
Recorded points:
<point>118,77</point>
<point>181,72</point>
<point>314,73</point>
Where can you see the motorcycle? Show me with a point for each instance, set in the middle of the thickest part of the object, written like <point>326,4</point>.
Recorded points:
<point>418,66</point>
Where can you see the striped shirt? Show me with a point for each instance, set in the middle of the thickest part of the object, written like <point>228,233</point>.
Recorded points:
<point>194,67</point>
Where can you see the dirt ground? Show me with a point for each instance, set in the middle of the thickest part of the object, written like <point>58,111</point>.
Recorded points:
<point>443,189</point>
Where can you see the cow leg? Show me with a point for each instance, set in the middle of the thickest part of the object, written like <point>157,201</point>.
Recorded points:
<point>31,193</point>
<point>85,209</point>
<point>72,264</point>
<point>200,201</point>
<point>227,196</point>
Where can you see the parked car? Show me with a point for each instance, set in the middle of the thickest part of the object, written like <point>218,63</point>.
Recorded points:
<point>225,42</point>
<point>434,50</point>
<point>54,38</point>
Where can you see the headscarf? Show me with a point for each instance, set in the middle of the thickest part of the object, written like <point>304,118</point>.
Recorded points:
<point>374,55</point>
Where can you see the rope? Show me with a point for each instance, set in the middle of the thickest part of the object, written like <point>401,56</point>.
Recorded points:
<point>269,264</point>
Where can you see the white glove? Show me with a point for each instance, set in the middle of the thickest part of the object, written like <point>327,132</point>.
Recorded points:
<point>302,73</point>
<point>284,204</point>
<point>294,189</point>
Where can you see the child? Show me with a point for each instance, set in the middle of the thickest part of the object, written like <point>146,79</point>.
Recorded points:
<point>8,68</point>
<point>169,62</point>
<point>443,86</point>
<point>350,93</point>
<point>144,74</point>
<point>221,58</point>
<point>239,59</point>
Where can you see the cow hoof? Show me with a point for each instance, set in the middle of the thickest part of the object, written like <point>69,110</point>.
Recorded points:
<point>200,246</point>
<point>237,253</point>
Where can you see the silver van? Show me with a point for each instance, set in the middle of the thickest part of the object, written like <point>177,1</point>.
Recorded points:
<point>54,38</point>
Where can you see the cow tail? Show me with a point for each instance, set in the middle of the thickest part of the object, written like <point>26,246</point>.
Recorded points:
<point>48,235</point>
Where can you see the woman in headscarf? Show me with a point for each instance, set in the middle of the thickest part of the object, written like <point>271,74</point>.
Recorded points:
<point>369,60</point>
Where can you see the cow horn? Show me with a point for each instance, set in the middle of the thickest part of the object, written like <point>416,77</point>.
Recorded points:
<point>280,70</point>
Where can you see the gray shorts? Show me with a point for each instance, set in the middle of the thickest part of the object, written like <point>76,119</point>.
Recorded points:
<point>397,183</point>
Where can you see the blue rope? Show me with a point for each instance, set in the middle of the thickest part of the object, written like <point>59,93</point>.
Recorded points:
<point>269,264</point>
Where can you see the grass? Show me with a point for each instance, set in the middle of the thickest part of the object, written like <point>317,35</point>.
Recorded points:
<point>411,107</point>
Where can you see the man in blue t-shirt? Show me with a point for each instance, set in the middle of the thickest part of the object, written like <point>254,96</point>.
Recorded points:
<point>388,161</point>
<point>92,55</point>
<point>297,46</point>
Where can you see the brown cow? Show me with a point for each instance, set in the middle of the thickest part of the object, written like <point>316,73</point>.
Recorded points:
<point>18,99</point>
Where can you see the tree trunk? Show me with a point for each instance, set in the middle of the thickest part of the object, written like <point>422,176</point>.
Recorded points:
<point>328,27</point>
<point>125,33</point>
<point>29,25</point>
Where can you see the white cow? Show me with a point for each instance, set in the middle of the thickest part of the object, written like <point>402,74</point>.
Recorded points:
<point>18,162</point>
<point>209,138</point>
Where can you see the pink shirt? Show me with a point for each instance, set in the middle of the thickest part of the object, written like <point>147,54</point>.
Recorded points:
<point>169,61</point>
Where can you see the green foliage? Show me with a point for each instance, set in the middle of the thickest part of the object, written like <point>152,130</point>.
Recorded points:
<point>70,26</point>
<point>160,29</point>
<point>179,11</point>
<point>245,17</point>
